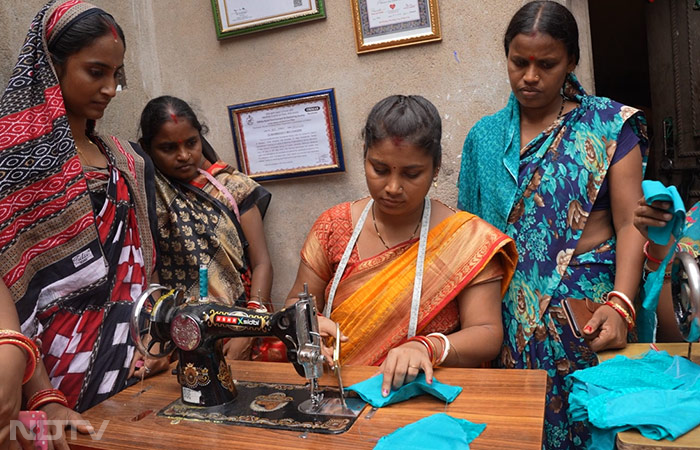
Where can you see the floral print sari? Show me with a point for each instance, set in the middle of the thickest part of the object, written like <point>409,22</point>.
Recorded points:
<point>543,197</point>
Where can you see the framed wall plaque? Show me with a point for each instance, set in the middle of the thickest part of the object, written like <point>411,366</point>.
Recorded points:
<point>382,24</point>
<point>290,136</point>
<point>236,17</point>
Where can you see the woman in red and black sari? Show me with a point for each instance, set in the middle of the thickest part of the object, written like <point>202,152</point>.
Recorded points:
<point>76,244</point>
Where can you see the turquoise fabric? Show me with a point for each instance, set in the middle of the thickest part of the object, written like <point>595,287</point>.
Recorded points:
<point>688,239</point>
<point>436,432</point>
<point>371,390</point>
<point>656,191</point>
<point>657,394</point>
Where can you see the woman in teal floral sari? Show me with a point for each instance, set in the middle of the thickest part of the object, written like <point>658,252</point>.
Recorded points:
<point>560,172</point>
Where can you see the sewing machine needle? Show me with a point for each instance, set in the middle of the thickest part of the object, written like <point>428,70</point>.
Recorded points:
<point>336,365</point>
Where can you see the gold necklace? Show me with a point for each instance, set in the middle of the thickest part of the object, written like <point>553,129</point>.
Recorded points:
<point>374,222</point>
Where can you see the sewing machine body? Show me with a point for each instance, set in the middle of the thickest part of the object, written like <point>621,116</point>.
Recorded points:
<point>197,329</point>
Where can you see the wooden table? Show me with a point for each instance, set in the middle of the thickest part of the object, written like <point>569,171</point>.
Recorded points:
<point>632,439</point>
<point>510,402</point>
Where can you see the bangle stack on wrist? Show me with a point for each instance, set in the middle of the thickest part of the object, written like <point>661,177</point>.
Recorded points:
<point>445,347</point>
<point>22,341</point>
<point>45,396</point>
<point>628,312</point>
<point>429,346</point>
<point>436,357</point>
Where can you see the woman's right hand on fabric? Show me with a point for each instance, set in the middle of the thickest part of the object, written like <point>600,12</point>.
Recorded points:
<point>402,365</point>
<point>651,215</point>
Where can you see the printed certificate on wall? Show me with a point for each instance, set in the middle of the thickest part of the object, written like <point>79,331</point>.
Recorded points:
<point>290,136</point>
<point>236,17</point>
<point>382,24</point>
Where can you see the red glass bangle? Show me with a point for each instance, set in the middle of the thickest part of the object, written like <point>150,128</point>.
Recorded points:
<point>626,300</point>
<point>648,256</point>
<point>44,396</point>
<point>428,345</point>
<point>28,345</point>
<point>622,312</point>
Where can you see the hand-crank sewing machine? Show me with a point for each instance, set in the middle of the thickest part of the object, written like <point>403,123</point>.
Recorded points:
<point>196,329</point>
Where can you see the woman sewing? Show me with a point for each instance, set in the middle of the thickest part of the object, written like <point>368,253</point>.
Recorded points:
<point>420,284</point>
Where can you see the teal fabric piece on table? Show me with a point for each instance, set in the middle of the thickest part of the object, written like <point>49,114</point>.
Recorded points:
<point>371,390</point>
<point>657,394</point>
<point>656,191</point>
<point>439,431</point>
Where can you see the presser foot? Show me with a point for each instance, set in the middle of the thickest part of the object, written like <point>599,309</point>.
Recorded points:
<point>333,406</point>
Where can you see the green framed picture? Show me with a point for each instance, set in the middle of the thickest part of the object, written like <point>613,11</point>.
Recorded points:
<point>237,17</point>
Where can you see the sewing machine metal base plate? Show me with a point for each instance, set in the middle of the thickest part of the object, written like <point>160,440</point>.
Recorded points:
<point>275,406</point>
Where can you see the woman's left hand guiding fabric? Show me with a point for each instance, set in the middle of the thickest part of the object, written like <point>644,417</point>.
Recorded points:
<point>402,365</point>
<point>606,330</point>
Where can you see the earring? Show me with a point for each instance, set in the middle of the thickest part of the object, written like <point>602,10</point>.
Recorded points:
<point>435,181</point>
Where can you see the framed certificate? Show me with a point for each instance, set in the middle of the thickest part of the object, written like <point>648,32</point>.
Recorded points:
<point>290,136</point>
<point>382,24</point>
<point>236,17</point>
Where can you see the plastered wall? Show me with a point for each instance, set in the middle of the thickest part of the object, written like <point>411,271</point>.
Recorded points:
<point>172,49</point>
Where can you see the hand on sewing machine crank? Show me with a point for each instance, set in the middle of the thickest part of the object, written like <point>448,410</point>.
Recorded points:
<point>606,330</point>
<point>402,365</point>
<point>327,328</point>
<point>143,366</point>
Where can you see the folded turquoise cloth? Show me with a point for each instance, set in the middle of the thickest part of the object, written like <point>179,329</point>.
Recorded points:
<point>656,191</point>
<point>435,432</point>
<point>646,316</point>
<point>657,394</point>
<point>371,390</point>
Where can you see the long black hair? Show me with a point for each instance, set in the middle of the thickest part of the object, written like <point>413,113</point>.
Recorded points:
<point>82,32</point>
<point>547,17</point>
<point>162,109</point>
<point>412,118</point>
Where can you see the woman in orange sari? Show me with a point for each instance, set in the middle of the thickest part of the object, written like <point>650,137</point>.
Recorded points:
<point>410,282</point>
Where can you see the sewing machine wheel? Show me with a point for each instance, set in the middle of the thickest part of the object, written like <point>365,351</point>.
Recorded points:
<point>685,292</point>
<point>150,321</point>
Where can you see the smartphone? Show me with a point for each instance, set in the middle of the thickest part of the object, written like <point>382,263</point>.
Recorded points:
<point>578,312</point>
<point>36,422</point>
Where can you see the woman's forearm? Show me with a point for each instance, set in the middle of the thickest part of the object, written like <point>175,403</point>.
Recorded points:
<point>629,260</point>
<point>472,346</point>
<point>261,283</point>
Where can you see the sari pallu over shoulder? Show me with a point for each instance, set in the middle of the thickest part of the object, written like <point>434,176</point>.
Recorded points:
<point>374,297</point>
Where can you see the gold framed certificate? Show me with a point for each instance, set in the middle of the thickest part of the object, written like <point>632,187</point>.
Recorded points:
<point>382,24</point>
